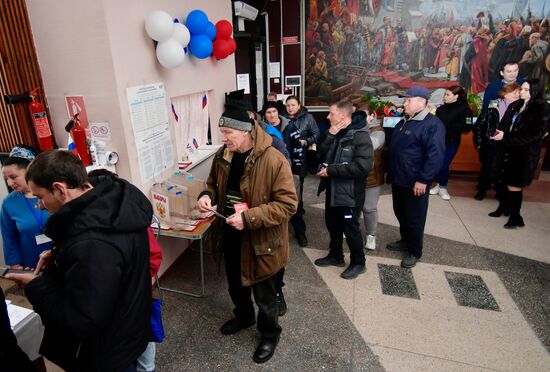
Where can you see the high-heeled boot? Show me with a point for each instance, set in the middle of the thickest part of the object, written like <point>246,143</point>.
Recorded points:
<point>515,220</point>
<point>502,209</point>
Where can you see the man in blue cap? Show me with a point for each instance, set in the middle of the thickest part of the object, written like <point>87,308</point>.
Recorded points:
<point>416,154</point>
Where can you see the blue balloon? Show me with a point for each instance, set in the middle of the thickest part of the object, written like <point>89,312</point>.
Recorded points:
<point>196,21</point>
<point>200,46</point>
<point>210,31</point>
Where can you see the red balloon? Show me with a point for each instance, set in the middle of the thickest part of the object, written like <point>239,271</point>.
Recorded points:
<point>220,49</point>
<point>232,45</point>
<point>224,29</point>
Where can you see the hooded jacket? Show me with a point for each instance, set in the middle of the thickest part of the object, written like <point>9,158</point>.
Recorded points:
<point>94,300</point>
<point>349,157</point>
<point>268,189</point>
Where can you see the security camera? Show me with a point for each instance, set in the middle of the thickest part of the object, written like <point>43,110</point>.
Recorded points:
<point>245,11</point>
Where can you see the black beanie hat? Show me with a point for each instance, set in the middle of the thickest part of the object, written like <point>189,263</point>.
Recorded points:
<point>236,116</point>
<point>271,104</point>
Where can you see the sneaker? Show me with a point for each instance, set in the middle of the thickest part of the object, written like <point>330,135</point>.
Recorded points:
<point>435,190</point>
<point>409,261</point>
<point>330,261</point>
<point>371,242</point>
<point>444,194</point>
<point>353,271</point>
<point>399,245</point>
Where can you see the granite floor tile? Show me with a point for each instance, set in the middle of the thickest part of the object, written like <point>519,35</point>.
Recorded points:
<point>471,291</point>
<point>397,281</point>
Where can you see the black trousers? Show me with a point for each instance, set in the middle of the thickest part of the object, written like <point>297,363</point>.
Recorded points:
<point>297,220</point>
<point>264,292</point>
<point>344,220</point>
<point>411,212</point>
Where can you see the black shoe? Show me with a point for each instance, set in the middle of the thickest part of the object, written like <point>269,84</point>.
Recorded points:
<point>514,221</point>
<point>409,261</point>
<point>353,271</point>
<point>302,240</point>
<point>399,245</point>
<point>281,303</point>
<point>480,195</point>
<point>265,349</point>
<point>235,325</point>
<point>329,261</point>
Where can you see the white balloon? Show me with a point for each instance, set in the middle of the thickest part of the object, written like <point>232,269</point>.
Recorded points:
<point>181,34</point>
<point>159,26</point>
<point>170,53</point>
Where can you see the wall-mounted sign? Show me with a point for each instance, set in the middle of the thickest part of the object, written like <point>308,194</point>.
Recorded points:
<point>293,81</point>
<point>75,105</point>
<point>290,39</point>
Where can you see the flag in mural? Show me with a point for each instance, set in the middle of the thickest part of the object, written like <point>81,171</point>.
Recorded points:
<point>355,48</point>
<point>204,101</point>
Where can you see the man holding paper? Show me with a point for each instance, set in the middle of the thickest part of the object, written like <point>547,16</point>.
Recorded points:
<point>251,182</point>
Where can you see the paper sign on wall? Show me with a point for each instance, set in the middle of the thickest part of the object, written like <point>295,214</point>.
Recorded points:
<point>243,82</point>
<point>149,115</point>
<point>101,131</point>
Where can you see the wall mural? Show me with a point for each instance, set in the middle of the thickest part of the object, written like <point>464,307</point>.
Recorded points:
<point>382,47</point>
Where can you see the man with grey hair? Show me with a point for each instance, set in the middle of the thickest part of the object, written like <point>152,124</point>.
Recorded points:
<point>416,154</point>
<point>347,152</point>
<point>251,183</point>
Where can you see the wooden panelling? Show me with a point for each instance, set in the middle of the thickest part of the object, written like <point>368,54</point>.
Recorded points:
<point>19,73</point>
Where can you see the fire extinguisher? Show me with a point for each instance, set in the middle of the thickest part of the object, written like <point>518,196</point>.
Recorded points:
<point>38,117</point>
<point>79,138</point>
<point>40,122</point>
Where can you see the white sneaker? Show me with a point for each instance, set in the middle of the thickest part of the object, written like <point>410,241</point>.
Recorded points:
<point>444,194</point>
<point>371,242</point>
<point>435,190</point>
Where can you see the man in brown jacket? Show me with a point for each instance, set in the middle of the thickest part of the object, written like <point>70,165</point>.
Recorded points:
<point>251,182</point>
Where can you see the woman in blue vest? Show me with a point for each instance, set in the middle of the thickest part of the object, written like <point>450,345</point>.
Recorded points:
<point>22,220</point>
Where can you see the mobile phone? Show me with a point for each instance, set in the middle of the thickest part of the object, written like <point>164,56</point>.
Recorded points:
<point>321,166</point>
<point>6,271</point>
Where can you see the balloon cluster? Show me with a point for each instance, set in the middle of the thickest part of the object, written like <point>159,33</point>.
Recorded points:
<point>224,44</point>
<point>203,38</point>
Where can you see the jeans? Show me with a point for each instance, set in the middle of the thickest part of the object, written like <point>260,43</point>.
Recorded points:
<point>297,220</point>
<point>442,177</point>
<point>370,209</point>
<point>411,212</point>
<point>146,361</point>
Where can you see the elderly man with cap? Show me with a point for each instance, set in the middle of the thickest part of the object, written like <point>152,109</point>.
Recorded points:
<point>416,154</point>
<point>251,183</point>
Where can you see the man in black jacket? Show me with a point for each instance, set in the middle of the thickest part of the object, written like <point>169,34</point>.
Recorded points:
<point>348,156</point>
<point>95,298</point>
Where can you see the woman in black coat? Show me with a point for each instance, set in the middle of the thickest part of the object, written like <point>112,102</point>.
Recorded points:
<point>453,113</point>
<point>524,126</point>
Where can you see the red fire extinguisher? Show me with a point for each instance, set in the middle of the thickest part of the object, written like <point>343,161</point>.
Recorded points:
<point>79,138</point>
<point>40,122</point>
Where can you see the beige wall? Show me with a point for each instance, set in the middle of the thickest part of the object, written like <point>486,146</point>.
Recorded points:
<point>99,48</point>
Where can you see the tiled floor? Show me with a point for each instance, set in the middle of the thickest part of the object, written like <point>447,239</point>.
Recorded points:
<point>478,300</point>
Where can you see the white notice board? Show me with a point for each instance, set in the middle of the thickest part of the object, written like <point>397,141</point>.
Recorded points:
<point>149,115</point>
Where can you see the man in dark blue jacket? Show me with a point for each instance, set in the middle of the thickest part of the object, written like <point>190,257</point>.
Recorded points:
<point>416,154</point>
<point>347,152</point>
